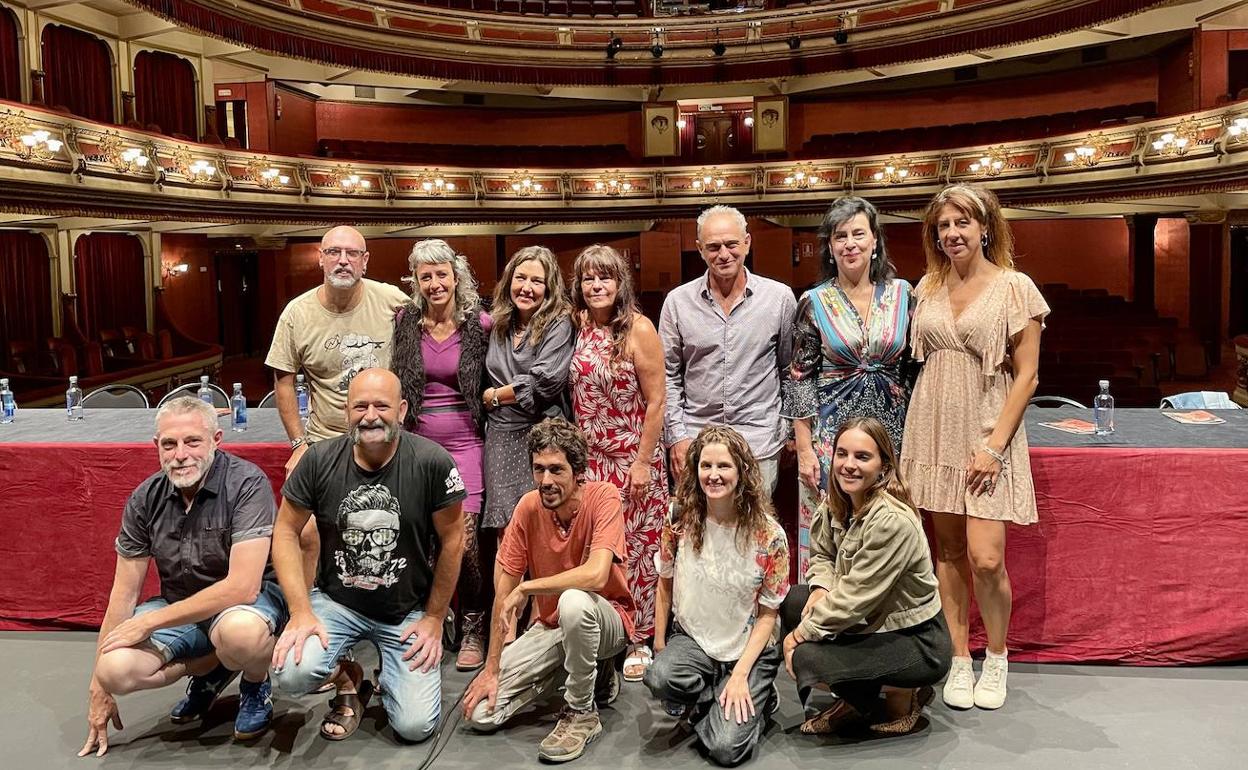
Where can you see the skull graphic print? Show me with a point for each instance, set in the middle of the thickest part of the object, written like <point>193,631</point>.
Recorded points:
<point>369,529</point>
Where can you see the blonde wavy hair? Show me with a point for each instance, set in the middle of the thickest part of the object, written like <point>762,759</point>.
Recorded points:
<point>751,502</point>
<point>978,203</point>
<point>554,305</point>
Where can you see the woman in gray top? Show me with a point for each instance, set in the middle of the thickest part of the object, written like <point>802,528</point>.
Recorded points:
<point>527,371</point>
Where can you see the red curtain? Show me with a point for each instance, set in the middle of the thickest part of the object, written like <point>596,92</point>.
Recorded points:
<point>25,289</point>
<point>165,93</point>
<point>79,69</point>
<point>111,289</point>
<point>10,58</point>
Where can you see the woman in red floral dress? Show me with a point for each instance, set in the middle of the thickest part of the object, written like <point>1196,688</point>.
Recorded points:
<point>617,396</point>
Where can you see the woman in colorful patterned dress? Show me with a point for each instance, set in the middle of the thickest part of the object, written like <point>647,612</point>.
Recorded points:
<point>850,357</point>
<point>618,397</point>
<point>439,356</point>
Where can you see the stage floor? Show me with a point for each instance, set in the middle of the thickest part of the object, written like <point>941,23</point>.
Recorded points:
<point>1058,716</point>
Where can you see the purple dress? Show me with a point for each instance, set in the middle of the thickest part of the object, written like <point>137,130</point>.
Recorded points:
<point>444,416</point>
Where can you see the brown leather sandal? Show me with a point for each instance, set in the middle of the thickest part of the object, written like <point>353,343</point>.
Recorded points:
<point>339,705</point>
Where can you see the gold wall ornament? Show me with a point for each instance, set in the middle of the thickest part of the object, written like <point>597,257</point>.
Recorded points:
<point>613,183</point>
<point>523,185</point>
<point>992,162</point>
<point>895,170</point>
<point>1089,153</point>
<point>124,159</point>
<point>433,184</point>
<point>198,170</point>
<point>802,177</point>
<point>260,171</point>
<point>343,178</point>
<point>709,181</point>
<point>1178,141</point>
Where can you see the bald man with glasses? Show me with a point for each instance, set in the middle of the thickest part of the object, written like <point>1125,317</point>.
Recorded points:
<point>330,334</point>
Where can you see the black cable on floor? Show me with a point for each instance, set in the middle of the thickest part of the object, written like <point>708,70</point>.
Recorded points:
<point>452,716</point>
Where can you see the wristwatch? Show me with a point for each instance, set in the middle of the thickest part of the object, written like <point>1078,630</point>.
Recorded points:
<point>494,400</point>
<point>295,443</point>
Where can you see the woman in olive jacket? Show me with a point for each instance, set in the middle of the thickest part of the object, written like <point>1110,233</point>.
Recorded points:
<point>869,618</point>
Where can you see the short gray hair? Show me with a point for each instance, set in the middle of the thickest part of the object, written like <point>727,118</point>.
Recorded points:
<point>188,405</point>
<point>435,251</point>
<point>721,210</point>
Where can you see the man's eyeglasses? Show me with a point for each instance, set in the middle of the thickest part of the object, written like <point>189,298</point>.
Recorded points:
<point>335,252</point>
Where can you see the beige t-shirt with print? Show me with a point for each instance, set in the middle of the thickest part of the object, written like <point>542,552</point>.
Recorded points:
<point>331,348</point>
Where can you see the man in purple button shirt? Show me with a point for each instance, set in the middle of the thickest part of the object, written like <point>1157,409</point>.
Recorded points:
<point>727,341</point>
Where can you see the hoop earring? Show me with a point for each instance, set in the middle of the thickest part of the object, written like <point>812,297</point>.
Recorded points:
<point>939,246</point>
<point>983,240</point>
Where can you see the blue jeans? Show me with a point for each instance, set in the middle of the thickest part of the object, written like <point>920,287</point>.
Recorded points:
<point>192,640</point>
<point>412,699</point>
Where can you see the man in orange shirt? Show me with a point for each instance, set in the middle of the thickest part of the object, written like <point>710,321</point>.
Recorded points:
<point>568,535</point>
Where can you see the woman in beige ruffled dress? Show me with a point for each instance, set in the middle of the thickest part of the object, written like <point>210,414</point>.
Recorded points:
<point>977,329</point>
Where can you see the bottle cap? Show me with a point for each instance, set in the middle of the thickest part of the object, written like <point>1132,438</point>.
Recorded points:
<point>1104,384</point>
<point>73,379</point>
<point>203,379</point>
<point>238,386</point>
<point>4,382</point>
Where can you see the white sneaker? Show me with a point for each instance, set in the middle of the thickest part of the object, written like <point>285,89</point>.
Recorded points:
<point>990,689</point>
<point>960,689</point>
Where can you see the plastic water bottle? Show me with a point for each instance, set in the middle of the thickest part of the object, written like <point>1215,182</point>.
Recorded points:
<point>8,406</point>
<point>205,392</point>
<point>238,409</point>
<point>73,400</point>
<point>1103,410</point>
<point>301,397</point>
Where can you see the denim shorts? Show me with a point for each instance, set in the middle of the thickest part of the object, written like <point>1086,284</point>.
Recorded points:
<point>193,640</point>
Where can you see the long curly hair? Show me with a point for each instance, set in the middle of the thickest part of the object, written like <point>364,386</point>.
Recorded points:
<point>978,203</point>
<point>839,504</point>
<point>751,502</point>
<point>604,260</point>
<point>554,305</point>
<point>435,251</point>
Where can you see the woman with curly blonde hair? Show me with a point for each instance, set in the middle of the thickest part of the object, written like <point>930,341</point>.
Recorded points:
<point>439,357</point>
<point>723,566</point>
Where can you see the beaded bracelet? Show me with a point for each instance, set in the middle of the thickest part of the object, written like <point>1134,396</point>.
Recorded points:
<point>994,454</point>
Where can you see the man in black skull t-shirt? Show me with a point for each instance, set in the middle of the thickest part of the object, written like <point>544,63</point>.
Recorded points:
<point>384,501</point>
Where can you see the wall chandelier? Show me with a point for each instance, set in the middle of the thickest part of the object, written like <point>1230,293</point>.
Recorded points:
<point>612,183</point>
<point>1089,153</point>
<point>268,177</point>
<point>522,184</point>
<point>895,170</point>
<point>709,181</point>
<point>801,177</point>
<point>433,184</point>
<point>991,163</point>
<point>1178,141</point>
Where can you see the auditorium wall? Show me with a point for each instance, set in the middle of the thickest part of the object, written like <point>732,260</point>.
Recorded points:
<point>295,132</point>
<point>1112,84</point>
<point>1024,97</point>
<point>1083,253</point>
<point>191,297</point>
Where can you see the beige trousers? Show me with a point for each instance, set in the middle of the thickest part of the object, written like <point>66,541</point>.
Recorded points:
<point>533,666</point>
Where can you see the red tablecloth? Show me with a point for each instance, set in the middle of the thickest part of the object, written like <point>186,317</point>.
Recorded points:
<point>1139,556</point>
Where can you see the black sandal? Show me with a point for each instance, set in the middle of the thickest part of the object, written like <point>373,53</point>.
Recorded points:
<point>339,704</point>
